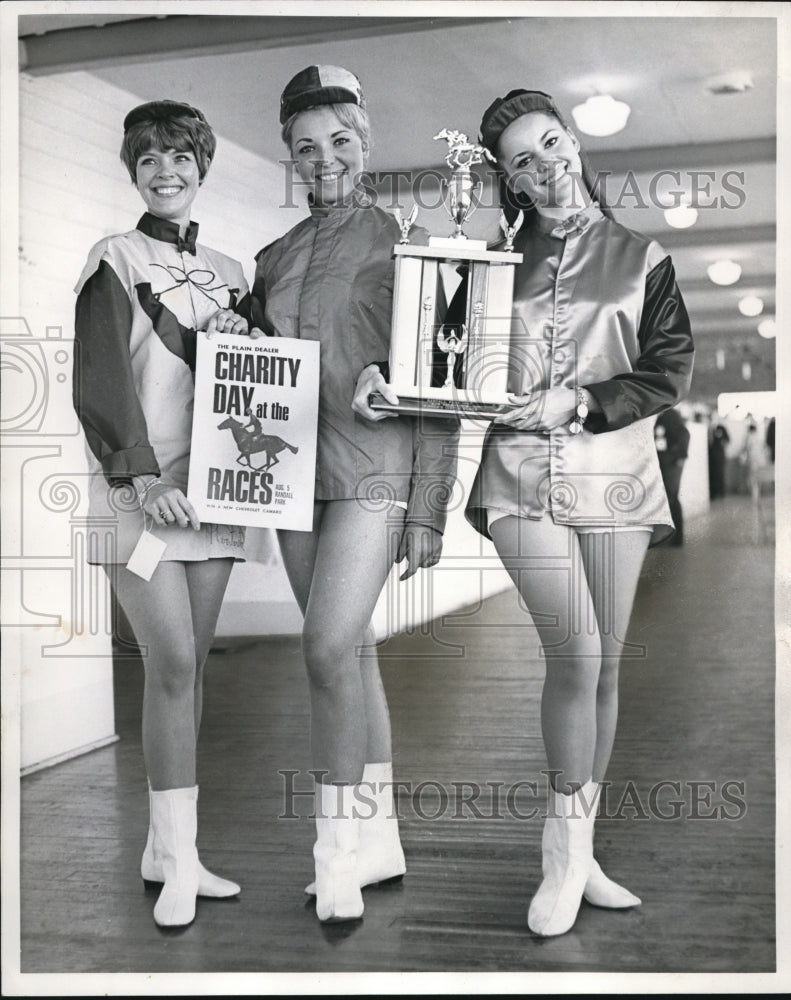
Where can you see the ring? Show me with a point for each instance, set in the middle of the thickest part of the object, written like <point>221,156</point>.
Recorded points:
<point>164,515</point>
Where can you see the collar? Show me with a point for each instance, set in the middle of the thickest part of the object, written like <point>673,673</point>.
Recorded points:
<point>360,197</point>
<point>168,232</point>
<point>573,225</point>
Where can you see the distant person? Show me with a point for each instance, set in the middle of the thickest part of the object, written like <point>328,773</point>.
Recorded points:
<point>718,444</point>
<point>672,446</point>
<point>770,440</point>
<point>753,457</point>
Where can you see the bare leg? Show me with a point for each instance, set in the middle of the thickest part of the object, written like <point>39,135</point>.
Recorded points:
<point>379,743</point>
<point>206,582</point>
<point>579,592</point>
<point>612,566</point>
<point>337,574</point>
<point>299,554</point>
<point>544,561</point>
<point>173,617</point>
<point>159,613</point>
<point>298,549</point>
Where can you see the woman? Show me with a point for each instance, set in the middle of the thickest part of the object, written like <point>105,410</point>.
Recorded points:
<point>672,447</point>
<point>141,298</point>
<point>719,438</point>
<point>381,489</point>
<point>753,459</point>
<point>569,487</point>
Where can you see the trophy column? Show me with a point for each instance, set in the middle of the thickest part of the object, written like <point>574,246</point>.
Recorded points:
<point>460,367</point>
<point>420,337</point>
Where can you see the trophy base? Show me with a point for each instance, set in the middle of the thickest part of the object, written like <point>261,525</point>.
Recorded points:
<point>417,406</point>
<point>461,242</point>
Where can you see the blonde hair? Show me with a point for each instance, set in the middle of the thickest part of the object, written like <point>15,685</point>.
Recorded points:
<point>351,116</point>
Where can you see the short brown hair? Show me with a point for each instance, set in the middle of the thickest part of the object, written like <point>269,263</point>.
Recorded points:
<point>167,125</point>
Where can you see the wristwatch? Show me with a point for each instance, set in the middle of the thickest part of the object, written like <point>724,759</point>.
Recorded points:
<point>577,425</point>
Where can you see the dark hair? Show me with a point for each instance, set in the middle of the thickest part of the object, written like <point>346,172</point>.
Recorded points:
<point>180,131</point>
<point>513,202</point>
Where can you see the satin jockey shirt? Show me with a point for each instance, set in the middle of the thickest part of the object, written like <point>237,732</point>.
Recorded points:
<point>331,279</point>
<point>140,300</point>
<point>595,305</point>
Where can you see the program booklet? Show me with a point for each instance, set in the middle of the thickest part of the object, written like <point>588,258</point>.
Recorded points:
<point>253,457</point>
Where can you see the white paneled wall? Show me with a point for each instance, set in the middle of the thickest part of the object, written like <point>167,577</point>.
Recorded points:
<point>74,191</point>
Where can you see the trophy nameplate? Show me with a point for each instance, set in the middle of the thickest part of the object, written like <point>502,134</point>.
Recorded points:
<point>441,364</point>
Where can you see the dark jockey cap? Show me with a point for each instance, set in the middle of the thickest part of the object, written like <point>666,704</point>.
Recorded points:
<point>500,113</point>
<point>318,85</point>
<point>155,111</point>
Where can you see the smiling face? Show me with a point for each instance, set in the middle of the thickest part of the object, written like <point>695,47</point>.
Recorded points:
<point>541,159</point>
<point>168,180</point>
<point>329,155</point>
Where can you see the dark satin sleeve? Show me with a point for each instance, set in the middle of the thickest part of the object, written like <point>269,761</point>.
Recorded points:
<point>104,393</point>
<point>663,370</point>
<point>257,299</point>
<point>435,443</point>
<point>243,308</point>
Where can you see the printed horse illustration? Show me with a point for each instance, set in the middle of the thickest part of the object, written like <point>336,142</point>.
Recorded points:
<point>250,443</point>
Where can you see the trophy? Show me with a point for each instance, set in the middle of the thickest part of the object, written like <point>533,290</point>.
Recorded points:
<point>442,363</point>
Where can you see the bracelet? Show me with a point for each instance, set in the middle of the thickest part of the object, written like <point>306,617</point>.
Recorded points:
<point>577,425</point>
<point>142,496</point>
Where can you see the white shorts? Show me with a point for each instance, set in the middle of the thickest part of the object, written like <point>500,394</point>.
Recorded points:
<point>581,529</point>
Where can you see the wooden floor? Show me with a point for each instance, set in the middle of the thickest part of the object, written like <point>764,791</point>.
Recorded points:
<point>696,711</point>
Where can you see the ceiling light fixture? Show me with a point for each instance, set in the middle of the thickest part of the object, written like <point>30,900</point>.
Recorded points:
<point>601,115</point>
<point>767,328</point>
<point>751,305</point>
<point>682,216</point>
<point>730,83</point>
<point>724,272</point>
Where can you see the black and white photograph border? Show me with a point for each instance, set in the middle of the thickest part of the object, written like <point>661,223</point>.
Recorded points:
<point>694,812</point>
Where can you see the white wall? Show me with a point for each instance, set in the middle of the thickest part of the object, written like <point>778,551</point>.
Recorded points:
<point>693,494</point>
<point>73,191</point>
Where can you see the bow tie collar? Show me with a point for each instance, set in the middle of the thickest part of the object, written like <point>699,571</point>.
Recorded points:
<point>574,224</point>
<point>168,232</point>
<point>187,245</point>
